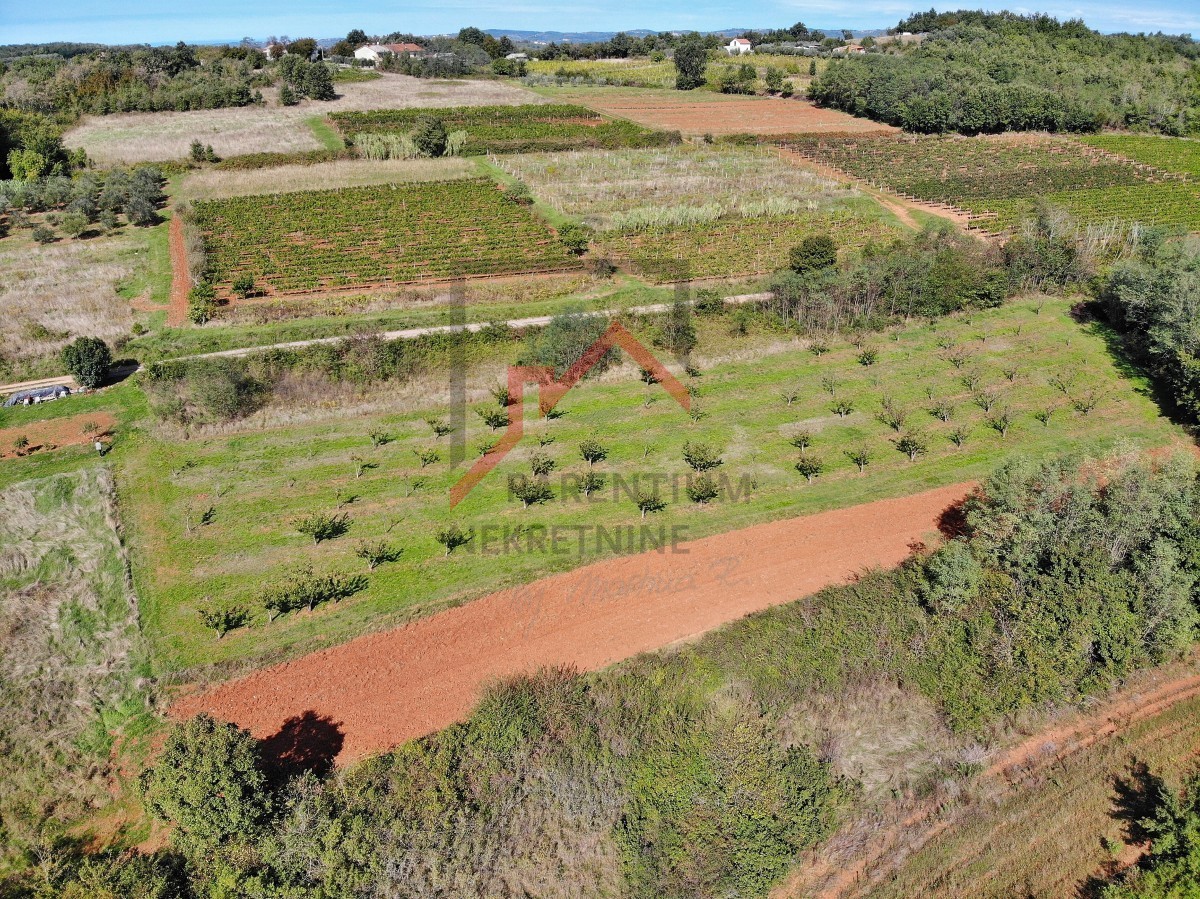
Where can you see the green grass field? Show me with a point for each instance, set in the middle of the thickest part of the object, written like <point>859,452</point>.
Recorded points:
<point>256,482</point>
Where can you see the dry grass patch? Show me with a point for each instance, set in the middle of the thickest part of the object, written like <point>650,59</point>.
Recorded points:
<point>159,136</point>
<point>210,184</point>
<point>627,188</point>
<point>51,294</point>
<point>68,619</point>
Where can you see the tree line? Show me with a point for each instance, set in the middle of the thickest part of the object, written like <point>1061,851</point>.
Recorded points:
<point>982,73</point>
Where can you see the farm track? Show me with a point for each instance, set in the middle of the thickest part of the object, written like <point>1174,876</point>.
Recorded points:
<point>888,845</point>
<point>178,307</point>
<point>384,689</point>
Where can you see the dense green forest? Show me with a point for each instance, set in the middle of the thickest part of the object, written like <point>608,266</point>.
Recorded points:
<point>978,73</point>
<point>1153,303</point>
<point>140,79</point>
<point>671,775</point>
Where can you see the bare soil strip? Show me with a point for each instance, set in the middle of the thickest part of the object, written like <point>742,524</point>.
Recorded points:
<point>831,875</point>
<point>722,114</point>
<point>177,310</point>
<point>387,688</point>
<point>54,433</point>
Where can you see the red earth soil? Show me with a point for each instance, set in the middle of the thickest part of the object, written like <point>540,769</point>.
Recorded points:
<point>382,689</point>
<point>177,310</point>
<point>54,433</point>
<point>750,115</point>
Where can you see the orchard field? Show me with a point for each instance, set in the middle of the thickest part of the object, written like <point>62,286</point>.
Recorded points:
<point>216,517</point>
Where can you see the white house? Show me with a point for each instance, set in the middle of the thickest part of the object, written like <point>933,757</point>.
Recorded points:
<point>376,52</point>
<point>738,47</point>
<point>371,52</point>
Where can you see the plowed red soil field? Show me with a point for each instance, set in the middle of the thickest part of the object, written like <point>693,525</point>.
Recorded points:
<point>178,308</point>
<point>383,689</point>
<point>743,115</point>
<point>54,433</point>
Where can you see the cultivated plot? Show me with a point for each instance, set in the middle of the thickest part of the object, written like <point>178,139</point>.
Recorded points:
<point>360,236</point>
<point>1169,154</point>
<point>1000,180</point>
<point>140,137</point>
<point>508,129</point>
<point>634,189</point>
<point>701,112</point>
<point>213,183</point>
<point>715,211</point>
<point>218,517</point>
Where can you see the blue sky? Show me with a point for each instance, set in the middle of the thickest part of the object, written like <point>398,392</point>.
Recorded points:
<point>157,21</point>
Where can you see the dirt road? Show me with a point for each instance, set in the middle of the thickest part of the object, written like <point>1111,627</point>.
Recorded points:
<point>178,307</point>
<point>391,687</point>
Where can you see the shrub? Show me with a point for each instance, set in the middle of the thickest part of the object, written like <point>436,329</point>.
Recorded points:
<point>912,445</point>
<point>810,467</point>
<point>842,408</point>
<point>590,482</point>
<point>592,451</point>
<point>323,525</point>
<point>703,489</point>
<point>208,781</point>
<point>87,359</point>
<point>801,440</point>
<point>430,136</point>
<point>565,340</point>
<point>427,457</point>
<point>224,618</point>
<point>304,589</point>
<point>493,418</point>
<point>452,537</point>
<point>700,456</point>
<point>287,96</point>
<point>202,304</point>
<point>861,456</point>
<point>74,224</point>
<point>813,254</point>
<point>20,443</point>
<point>439,427</point>
<point>576,238</point>
<point>649,502</point>
<point>529,491</point>
<point>243,285</point>
<point>43,234</point>
<point>541,464</point>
